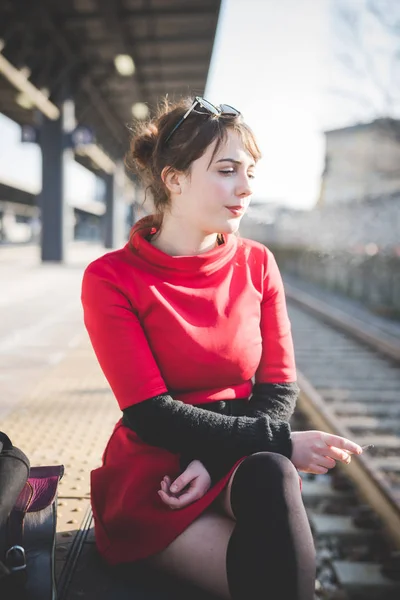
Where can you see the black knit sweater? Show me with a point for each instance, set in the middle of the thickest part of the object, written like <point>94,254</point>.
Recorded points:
<point>220,433</point>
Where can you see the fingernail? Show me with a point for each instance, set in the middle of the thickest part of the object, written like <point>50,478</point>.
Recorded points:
<point>174,488</point>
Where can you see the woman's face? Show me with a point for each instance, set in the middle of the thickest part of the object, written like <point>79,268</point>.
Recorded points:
<point>210,192</point>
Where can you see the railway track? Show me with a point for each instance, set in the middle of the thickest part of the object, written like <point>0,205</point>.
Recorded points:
<point>349,376</point>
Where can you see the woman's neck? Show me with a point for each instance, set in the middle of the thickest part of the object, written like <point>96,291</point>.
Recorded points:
<point>183,241</point>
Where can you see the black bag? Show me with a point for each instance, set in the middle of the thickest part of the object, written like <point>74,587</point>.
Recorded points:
<point>28,502</point>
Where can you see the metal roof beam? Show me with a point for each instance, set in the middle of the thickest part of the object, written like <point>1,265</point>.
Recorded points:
<point>111,122</point>
<point>117,25</point>
<point>170,63</point>
<point>110,12</point>
<point>156,87</point>
<point>174,61</point>
<point>124,13</point>
<point>194,37</point>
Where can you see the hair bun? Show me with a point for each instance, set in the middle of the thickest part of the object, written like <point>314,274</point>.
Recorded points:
<point>143,144</point>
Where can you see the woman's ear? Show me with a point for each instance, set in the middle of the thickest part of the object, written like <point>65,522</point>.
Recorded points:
<point>172,180</point>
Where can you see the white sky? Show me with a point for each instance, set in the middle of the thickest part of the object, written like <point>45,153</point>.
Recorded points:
<point>268,62</point>
<point>272,60</point>
<point>21,165</point>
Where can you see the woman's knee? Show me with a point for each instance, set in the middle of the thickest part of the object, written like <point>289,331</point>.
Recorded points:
<point>267,466</point>
<point>261,477</point>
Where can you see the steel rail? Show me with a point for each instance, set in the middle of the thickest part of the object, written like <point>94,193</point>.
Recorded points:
<point>372,487</point>
<point>366,332</point>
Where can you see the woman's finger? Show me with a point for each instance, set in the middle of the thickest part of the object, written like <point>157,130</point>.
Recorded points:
<point>188,497</point>
<point>325,461</point>
<point>338,454</point>
<point>342,443</point>
<point>168,500</point>
<point>178,502</point>
<point>171,501</point>
<point>164,487</point>
<point>317,469</point>
<point>181,482</point>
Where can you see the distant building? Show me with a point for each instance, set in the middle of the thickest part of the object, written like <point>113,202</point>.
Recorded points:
<point>361,162</point>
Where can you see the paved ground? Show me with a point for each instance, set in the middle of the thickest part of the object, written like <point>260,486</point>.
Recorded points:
<point>41,317</point>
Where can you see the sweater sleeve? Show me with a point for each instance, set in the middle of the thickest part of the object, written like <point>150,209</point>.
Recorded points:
<point>218,441</point>
<point>118,338</point>
<point>277,400</point>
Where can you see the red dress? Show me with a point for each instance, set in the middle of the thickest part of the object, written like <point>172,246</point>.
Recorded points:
<point>200,328</point>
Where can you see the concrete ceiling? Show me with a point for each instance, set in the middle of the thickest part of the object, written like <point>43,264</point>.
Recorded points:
<point>72,44</point>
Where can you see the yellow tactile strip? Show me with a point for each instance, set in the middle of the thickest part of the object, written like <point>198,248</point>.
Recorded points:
<point>67,419</point>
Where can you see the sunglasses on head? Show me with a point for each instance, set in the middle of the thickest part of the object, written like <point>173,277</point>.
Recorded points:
<point>208,108</point>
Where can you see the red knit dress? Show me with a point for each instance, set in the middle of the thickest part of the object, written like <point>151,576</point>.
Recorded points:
<point>200,328</point>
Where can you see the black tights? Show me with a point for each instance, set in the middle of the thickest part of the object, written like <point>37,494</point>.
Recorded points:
<point>271,552</point>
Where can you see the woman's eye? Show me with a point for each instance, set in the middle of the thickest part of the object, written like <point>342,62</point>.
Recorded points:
<point>231,171</point>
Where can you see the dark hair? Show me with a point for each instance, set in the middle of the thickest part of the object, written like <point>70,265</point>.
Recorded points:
<point>148,154</point>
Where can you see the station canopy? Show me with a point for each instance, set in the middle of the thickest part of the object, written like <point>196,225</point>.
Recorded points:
<point>161,46</point>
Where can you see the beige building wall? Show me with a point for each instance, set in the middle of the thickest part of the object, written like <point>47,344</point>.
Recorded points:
<point>361,162</point>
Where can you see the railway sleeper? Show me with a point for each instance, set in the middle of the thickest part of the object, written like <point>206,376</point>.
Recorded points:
<point>365,581</point>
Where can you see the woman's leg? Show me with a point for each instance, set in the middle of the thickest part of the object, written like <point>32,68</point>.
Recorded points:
<point>271,551</point>
<point>199,553</point>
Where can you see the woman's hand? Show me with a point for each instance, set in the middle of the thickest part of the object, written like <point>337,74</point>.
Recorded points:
<point>191,485</point>
<point>317,451</point>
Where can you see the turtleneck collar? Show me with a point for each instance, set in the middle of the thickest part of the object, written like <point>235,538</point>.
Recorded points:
<point>207,262</point>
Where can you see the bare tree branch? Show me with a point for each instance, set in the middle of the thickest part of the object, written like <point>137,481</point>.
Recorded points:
<point>387,12</point>
<point>362,59</point>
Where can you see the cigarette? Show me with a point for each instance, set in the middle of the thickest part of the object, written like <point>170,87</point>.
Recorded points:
<point>367,447</point>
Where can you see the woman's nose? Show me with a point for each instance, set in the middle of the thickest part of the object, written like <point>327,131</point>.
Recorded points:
<point>244,188</point>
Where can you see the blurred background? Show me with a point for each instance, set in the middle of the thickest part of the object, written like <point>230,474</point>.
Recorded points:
<point>317,80</point>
